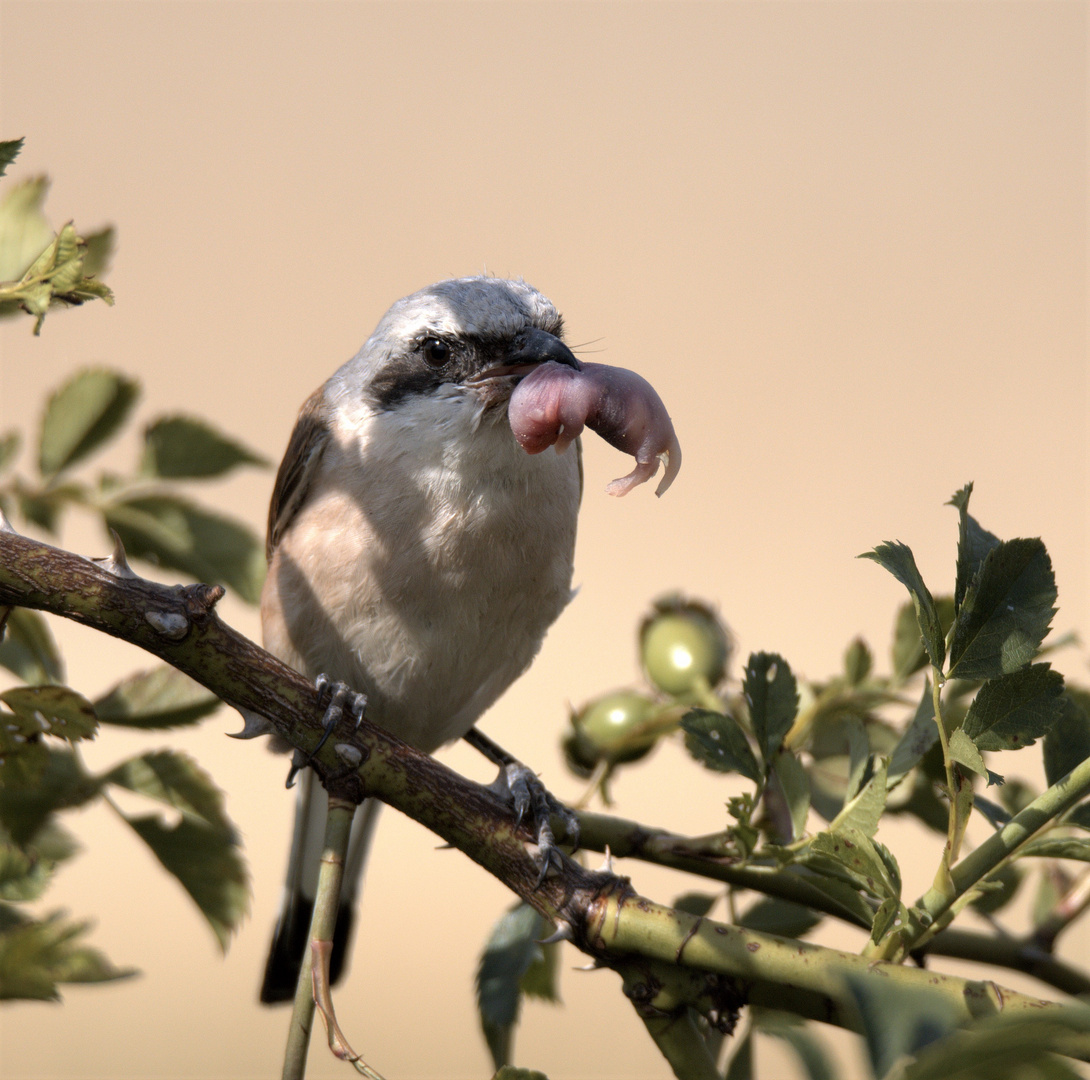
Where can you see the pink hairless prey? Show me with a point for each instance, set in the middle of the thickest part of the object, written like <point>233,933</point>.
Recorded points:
<point>554,402</point>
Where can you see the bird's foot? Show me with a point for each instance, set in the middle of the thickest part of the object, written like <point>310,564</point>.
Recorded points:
<point>533,802</point>
<point>338,699</point>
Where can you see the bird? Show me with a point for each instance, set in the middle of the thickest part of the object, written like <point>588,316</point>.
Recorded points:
<point>417,553</point>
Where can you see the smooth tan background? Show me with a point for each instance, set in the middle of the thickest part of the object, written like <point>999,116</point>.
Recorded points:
<point>847,244</point>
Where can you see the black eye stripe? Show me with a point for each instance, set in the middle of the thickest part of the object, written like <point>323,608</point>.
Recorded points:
<point>401,380</point>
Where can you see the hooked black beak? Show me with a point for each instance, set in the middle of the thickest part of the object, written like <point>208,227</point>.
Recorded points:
<point>538,347</point>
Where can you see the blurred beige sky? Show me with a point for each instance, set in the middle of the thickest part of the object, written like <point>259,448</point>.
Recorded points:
<point>845,241</point>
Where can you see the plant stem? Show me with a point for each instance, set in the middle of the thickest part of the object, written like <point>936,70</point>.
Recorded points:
<point>953,838</point>
<point>1013,953</point>
<point>680,1041</point>
<point>1066,911</point>
<point>777,972</point>
<point>935,904</point>
<point>629,839</point>
<point>324,918</point>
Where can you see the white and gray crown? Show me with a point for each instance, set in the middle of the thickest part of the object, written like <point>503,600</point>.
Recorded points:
<point>451,333</point>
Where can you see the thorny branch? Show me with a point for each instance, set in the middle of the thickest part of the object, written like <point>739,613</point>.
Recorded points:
<point>598,911</point>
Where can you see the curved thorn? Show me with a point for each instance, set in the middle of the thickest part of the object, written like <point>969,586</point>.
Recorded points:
<point>116,562</point>
<point>253,725</point>
<point>563,932</point>
<point>607,864</point>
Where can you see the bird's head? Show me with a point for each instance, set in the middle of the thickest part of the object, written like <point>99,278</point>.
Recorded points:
<point>481,334</point>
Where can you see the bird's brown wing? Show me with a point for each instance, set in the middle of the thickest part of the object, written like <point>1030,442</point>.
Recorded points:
<point>308,441</point>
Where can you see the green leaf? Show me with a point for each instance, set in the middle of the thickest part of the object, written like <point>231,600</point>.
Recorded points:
<point>160,698</point>
<point>61,784</point>
<point>83,414</point>
<point>512,948</point>
<point>863,813</point>
<point>920,735</point>
<point>1006,612</point>
<point>789,1029</point>
<point>999,889</point>
<point>10,442</point>
<point>175,779</point>
<point>97,251</point>
<point>897,558</point>
<point>794,785</point>
<point>923,802</point>
<point>695,903</point>
<point>741,1063</point>
<point>512,1072</point>
<point>179,447</point>
<point>23,875</point>
<point>28,648</point>
<point>865,861</point>
<point>773,699</point>
<point>963,750</point>
<point>718,742</point>
<point>858,662</point>
<point>1010,1044</point>
<point>44,505</point>
<point>21,767</point>
<point>974,543</point>
<point>46,710</point>
<point>207,863</point>
<point>36,956</point>
<point>858,756</point>
<point>1017,795</point>
<point>843,893</point>
<point>540,980</point>
<point>884,917</point>
<point>907,653</point>
<point>9,151</point>
<point>181,536</point>
<point>898,1021</point>
<point>997,816</point>
<point>1079,816</point>
<point>25,231</point>
<point>1062,848</point>
<point>1068,742</point>
<point>1015,710</point>
<point>55,276</point>
<point>771,915</point>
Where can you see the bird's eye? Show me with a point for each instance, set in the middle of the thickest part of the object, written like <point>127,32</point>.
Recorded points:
<point>436,352</point>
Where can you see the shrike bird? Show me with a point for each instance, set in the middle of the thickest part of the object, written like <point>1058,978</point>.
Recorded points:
<point>416,551</point>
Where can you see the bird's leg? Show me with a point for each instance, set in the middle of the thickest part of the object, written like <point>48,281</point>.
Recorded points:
<point>530,798</point>
<point>338,698</point>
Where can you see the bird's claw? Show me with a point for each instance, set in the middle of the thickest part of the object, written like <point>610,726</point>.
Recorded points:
<point>531,800</point>
<point>338,698</point>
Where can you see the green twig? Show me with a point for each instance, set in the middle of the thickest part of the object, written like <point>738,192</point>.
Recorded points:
<point>338,826</point>
<point>629,839</point>
<point>776,972</point>
<point>1008,952</point>
<point>668,999</point>
<point>934,909</point>
<point>1068,908</point>
<point>683,1045</point>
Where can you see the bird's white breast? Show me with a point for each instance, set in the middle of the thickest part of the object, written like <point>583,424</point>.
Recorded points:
<point>429,559</point>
